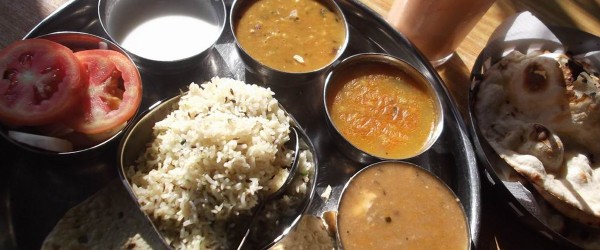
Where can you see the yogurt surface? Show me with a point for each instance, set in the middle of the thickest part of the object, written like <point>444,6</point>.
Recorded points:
<point>171,37</point>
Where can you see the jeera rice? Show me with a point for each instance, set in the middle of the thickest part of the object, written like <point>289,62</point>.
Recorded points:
<point>211,159</point>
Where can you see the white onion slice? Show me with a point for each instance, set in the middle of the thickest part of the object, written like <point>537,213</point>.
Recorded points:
<point>40,141</point>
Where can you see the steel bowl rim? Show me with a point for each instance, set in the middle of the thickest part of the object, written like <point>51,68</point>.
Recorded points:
<point>239,5</point>
<point>416,166</point>
<point>222,18</point>
<point>396,62</point>
<point>161,105</point>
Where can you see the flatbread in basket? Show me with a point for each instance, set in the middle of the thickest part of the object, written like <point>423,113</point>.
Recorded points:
<point>541,113</point>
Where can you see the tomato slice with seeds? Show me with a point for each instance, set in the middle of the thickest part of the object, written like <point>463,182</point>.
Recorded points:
<point>114,91</point>
<point>41,82</point>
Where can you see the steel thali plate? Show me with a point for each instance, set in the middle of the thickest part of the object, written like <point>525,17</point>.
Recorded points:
<point>40,191</point>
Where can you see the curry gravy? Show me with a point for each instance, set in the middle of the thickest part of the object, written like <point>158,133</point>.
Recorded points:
<point>290,36</point>
<point>382,110</point>
<point>396,205</point>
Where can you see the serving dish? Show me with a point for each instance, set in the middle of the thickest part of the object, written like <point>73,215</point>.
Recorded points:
<point>518,193</point>
<point>137,136</point>
<point>269,71</point>
<point>82,146</point>
<point>363,64</point>
<point>41,190</point>
<point>433,214</point>
<point>119,18</point>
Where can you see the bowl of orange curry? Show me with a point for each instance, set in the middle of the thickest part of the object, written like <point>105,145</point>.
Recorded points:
<point>287,43</point>
<point>379,107</point>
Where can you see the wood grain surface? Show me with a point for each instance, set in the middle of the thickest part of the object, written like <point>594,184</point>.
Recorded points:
<point>501,229</point>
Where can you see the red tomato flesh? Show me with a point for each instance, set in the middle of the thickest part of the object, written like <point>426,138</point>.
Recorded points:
<point>41,82</point>
<point>114,91</point>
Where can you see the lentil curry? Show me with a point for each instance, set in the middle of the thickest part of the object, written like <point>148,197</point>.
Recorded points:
<point>382,110</point>
<point>290,36</point>
<point>396,205</point>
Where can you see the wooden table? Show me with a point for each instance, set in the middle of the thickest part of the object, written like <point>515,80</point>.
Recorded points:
<point>500,228</point>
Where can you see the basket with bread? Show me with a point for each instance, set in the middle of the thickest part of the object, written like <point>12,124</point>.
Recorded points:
<point>535,109</point>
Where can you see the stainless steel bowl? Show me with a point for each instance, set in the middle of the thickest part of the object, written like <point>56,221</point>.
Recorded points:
<point>469,242</point>
<point>350,63</point>
<point>274,77</point>
<point>76,41</point>
<point>121,18</point>
<point>140,134</point>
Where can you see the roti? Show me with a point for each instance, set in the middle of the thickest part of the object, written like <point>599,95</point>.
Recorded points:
<point>107,220</point>
<point>310,234</point>
<point>110,220</point>
<point>541,113</point>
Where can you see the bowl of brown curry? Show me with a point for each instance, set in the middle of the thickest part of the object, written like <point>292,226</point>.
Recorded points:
<point>286,43</point>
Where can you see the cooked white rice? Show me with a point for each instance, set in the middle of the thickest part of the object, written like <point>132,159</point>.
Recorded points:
<point>209,160</point>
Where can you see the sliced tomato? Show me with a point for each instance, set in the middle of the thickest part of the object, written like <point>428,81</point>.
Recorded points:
<point>114,91</point>
<point>41,82</point>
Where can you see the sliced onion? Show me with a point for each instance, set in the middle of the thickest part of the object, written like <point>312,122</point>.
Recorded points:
<point>40,141</point>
